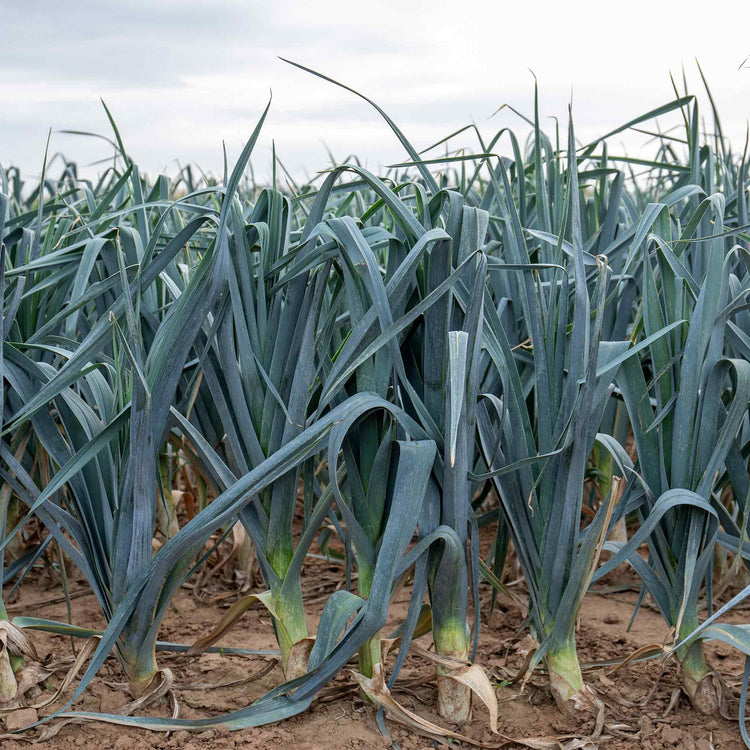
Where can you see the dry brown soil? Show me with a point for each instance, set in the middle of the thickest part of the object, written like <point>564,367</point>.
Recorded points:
<point>637,697</point>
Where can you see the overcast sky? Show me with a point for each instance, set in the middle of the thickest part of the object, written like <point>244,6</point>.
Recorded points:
<point>181,75</point>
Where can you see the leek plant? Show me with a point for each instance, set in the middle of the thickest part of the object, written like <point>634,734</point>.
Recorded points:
<point>685,416</point>
<point>436,374</point>
<point>429,361</point>
<point>438,379</point>
<point>550,404</point>
<point>258,365</point>
<point>449,376</point>
<point>364,498</point>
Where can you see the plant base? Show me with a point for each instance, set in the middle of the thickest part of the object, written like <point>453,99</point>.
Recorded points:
<point>571,693</point>
<point>454,698</point>
<point>296,661</point>
<point>452,646</point>
<point>140,673</point>
<point>8,685</point>
<point>370,655</point>
<point>701,685</point>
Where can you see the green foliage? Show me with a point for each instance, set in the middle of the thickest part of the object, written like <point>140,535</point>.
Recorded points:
<point>380,365</point>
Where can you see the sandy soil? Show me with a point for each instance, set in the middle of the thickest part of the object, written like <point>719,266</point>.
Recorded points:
<point>643,709</point>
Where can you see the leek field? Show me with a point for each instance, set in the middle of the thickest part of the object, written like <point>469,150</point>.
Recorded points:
<point>366,424</point>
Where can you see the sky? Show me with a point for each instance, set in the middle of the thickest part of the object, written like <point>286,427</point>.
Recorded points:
<point>182,76</point>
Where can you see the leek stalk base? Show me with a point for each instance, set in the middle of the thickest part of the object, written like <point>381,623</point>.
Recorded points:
<point>454,698</point>
<point>293,637</point>
<point>140,668</point>
<point>570,692</point>
<point>699,682</point>
<point>370,654</point>
<point>8,685</point>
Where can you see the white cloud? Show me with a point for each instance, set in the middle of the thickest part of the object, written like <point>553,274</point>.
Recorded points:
<point>181,76</point>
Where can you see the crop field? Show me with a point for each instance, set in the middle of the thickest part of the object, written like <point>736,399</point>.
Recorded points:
<point>449,452</point>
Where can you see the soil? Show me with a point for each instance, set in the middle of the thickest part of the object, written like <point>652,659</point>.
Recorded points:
<point>643,706</point>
